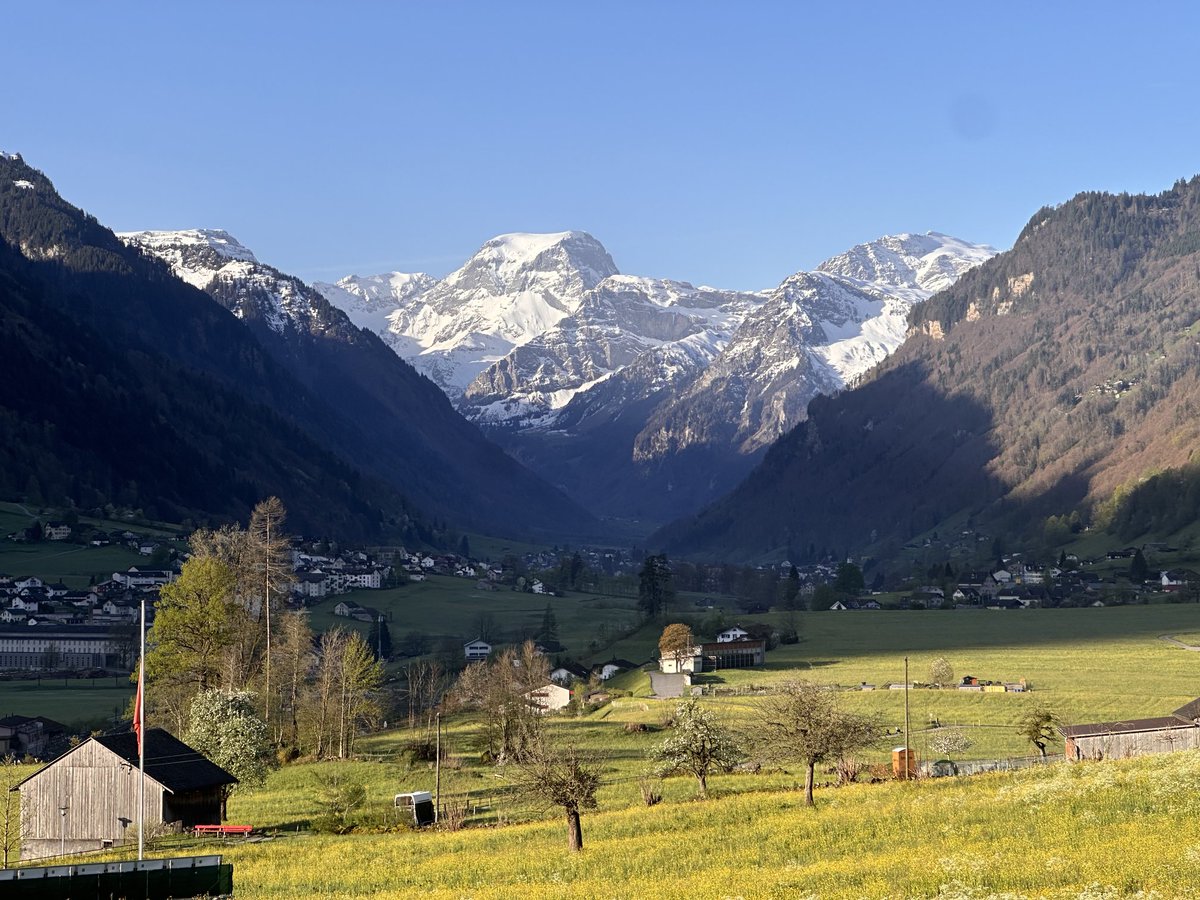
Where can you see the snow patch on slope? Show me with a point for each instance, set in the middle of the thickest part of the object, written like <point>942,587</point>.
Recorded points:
<point>196,254</point>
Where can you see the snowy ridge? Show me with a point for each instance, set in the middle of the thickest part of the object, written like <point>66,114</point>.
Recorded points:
<point>930,261</point>
<point>516,287</point>
<point>532,323</point>
<point>217,263</point>
<point>623,318</point>
<point>371,301</point>
<point>196,255</point>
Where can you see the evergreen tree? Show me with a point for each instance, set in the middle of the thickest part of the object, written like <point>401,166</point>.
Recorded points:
<point>656,589</point>
<point>380,639</point>
<point>549,629</point>
<point>791,590</point>
<point>1139,569</point>
<point>849,579</point>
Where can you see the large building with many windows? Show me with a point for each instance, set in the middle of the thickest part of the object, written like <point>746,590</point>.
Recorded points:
<point>51,647</point>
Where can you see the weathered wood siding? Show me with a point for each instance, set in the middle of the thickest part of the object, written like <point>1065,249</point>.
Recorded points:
<point>100,792</point>
<point>1138,743</point>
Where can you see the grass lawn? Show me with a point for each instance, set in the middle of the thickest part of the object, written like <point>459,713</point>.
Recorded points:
<point>444,606</point>
<point>74,564</point>
<point>1067,831</point>
<point>73,701</point>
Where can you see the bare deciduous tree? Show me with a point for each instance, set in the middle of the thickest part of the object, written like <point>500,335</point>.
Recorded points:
<point>558,777</point>
<point>499,688</point>
<point>805,723</point>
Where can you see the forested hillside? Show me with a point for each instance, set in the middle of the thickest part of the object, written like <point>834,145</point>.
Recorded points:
<point>1051,380</point>
<point>123,385</point>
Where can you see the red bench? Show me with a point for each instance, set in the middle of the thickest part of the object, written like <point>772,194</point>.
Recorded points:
<point>223,830</point>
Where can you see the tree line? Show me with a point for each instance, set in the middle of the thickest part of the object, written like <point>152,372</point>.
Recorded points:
<point>223,637</point>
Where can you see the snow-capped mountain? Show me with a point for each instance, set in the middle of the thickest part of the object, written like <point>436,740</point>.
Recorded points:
<point>512,290</point>
<point>540,339</point>
<point>816,333</point>
<point>618,321</point>
<point>370,301</point>
<point>403,426</point>
<point>217,263</point>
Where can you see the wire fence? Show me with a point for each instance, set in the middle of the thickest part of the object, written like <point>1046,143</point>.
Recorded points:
<point>934,769</point>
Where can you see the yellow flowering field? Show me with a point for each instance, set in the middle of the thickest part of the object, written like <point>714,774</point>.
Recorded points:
<point>1098,830</point>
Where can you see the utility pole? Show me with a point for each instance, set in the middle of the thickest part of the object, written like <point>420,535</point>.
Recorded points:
<point>141,734</point>
<point>907,747</point>
<point>267,606</point>
<point>437,769</point>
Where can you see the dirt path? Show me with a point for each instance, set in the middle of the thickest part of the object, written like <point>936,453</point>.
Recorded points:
<point>1171,639</point>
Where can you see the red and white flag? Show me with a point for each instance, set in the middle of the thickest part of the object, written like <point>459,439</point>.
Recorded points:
<point>138,714</point>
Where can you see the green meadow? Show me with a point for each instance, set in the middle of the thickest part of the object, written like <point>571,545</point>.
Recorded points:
<point>1102,830</point>
<point>1088,830</point>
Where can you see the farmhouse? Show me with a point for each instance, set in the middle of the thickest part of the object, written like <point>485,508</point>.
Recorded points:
<point>1135,737</point>
<point>548,698</point>
<point>87,798</point>
<point>736,633</point>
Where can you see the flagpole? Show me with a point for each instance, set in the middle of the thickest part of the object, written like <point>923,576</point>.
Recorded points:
<point>141,734</point>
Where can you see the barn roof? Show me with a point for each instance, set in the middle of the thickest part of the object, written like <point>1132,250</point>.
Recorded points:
<point>1130,726</point>
<point>169,761</point>
<point>1189,711</point>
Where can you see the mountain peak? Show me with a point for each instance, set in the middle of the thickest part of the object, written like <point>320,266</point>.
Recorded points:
<point>520,261</point>
<point>221,242</point>
<point>930,261</point>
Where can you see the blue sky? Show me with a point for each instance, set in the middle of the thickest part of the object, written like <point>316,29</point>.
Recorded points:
<point>722,143</point>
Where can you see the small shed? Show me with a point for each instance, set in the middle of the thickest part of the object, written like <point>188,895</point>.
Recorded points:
<point>418,804</point>
<point>86,799</point>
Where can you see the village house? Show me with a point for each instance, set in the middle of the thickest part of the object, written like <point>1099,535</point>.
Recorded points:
<point>613,666</point>
<point>568,672</point>
<point>1177,579</point>
<point>29,735</point>
<point>56,531</point>
<point>143,578</point>
<point>548,698</point>
<point>689,660</point>
<point>736,633</point>
<point>309,584</point>
<point>86,799</point>
<point>476,650</point>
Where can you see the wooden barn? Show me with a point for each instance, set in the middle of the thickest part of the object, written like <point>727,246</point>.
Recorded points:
<point>1134,737</point>
<point>87,798</point>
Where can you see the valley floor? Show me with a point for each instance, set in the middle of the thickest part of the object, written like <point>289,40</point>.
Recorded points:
<point>1091,830</point>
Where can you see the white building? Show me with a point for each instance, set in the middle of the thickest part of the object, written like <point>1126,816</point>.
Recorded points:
<point>476,650</point>
<point>736,633</point>
<point>691,660</point>
<point>548,698</point>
